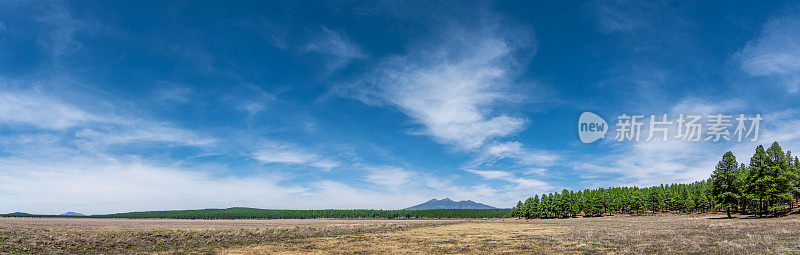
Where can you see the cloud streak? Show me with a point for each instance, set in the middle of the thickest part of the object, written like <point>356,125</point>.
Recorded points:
<point>22,108</point>
<point>776,53</point>
<point>290,154</point>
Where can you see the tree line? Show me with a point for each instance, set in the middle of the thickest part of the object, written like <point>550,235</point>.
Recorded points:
<point>253,213</point>
<point>768,185</point>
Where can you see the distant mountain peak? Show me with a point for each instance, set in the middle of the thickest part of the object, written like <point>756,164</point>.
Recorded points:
<point>72,214</point>
<point>448,203</point>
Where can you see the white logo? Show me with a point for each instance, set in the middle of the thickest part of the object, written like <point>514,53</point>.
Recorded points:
<point>591,127</point>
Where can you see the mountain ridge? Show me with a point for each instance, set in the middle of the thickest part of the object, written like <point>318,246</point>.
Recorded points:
<point>448,203</point>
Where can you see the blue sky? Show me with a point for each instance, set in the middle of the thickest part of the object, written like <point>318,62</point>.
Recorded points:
<point>304,105</point>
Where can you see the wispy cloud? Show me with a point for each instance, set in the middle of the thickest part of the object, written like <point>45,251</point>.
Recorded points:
<point>254,101</point>
<point>389,176</point>
<point>61,38</point>
<point>291,154</point>
<point>454,86</point>
<point>522,186</point>
<point>776,53</point>
<point>707,107</point>
<point>119,185</point>
<point>26,109</point>
<point>339,49</point>
<point>40,111</point>
<point>143,132</point>
<point>174,93</point>
<point>517,152</point>
<point>80,182</point>
<point>621,15</point>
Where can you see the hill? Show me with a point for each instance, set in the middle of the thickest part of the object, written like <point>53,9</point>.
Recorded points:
<point>447,203</point>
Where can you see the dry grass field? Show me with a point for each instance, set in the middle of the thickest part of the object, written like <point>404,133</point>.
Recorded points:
<point>140,236</point>
<point>663,234</point>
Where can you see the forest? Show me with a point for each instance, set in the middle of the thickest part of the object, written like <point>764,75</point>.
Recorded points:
<point>253,213</point>
<point>769,185</point>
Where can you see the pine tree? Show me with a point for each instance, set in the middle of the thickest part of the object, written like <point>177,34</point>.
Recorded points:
<point>741,180</point>
<point>637,201</point>
<point>757,181</point>
<point>779,191</point>
<point>796,165</point>
<point>517,210</point>
<point>723,181</point>
<point>793,173</point>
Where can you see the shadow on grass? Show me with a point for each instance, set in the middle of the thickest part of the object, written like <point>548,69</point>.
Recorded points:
<point>748,217</point>
<point>722,218</point>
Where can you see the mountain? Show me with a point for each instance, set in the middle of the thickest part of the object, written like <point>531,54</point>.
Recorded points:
<point>449,204</point>
<point>72,214</point>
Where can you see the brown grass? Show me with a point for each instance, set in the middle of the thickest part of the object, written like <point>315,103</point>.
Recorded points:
<point>662,234</point>
<point>473,237</point>
<point>126,236</point>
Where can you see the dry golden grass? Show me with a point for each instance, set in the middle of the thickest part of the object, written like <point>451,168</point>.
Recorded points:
<point>661,234</point>
<point>478,238</point>
<point>127,236</point>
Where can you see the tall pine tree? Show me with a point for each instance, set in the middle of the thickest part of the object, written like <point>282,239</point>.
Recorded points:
<point>780,191</point>
<point>757,184</point>
<point>724,188</point>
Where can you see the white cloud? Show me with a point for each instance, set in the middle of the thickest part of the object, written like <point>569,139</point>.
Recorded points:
<point>175,94</point>
<point>653,163</point>
<point>20,108</point>
<point>614,16</point>
<point>61,39</point>
<point>142,133</point>
<point>254,99</point>
<point>340,50</point>
<point>454,87</point>
<point>289,154</point>
<point>252,107</point>
<point>515,150</point>
<point>535,171</point>
<point>83,184</point>
<point>79,182</point>
<point>527,184</point>
<point>707,107</point>
<point>776,53</point>
<point>23,109</point>
<point>389,176</point>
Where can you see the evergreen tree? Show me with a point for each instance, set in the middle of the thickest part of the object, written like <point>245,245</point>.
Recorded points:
<point>527,212</point>
<point>757,181</point>
<point>517,210</point>
<point>723,181</point>
<point>779,191</point>
<point>741,180</point>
